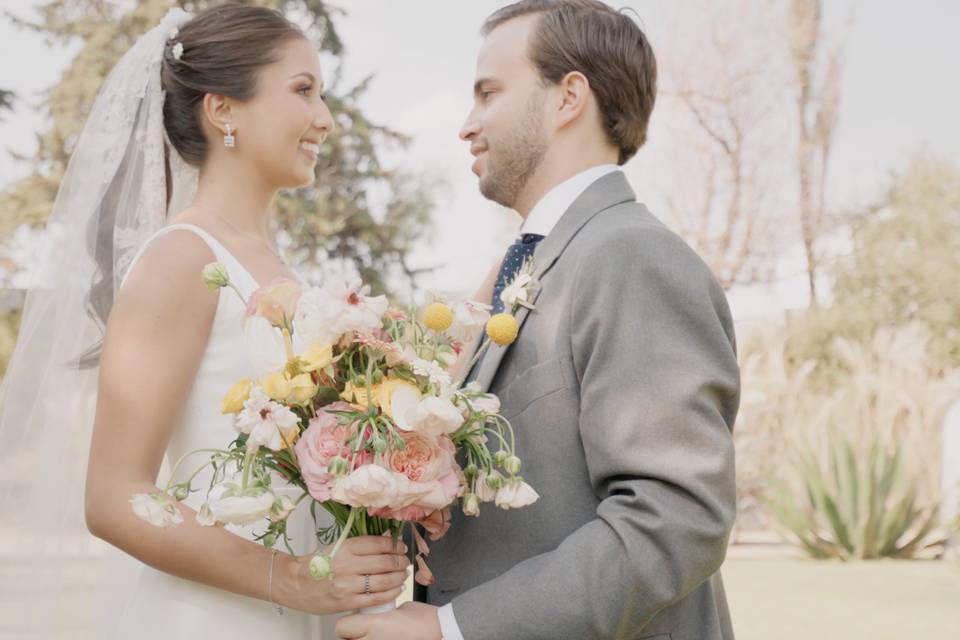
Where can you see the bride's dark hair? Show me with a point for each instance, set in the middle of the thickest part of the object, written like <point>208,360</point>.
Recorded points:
<point>219,51</point>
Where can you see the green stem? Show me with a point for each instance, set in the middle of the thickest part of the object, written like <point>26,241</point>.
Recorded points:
<point>247,463</point>
<point>176,467</point>
<point>473,362</point>
<point>345,532</point>
<point>234,287</point>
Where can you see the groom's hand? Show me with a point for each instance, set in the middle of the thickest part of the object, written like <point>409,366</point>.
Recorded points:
<point>412,621</point>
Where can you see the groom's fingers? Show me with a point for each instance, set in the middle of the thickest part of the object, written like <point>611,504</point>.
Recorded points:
<point>351,627</point>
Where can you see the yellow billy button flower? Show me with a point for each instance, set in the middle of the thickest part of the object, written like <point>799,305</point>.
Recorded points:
<point>503,329</point>
<point>238,394</point>
<point>317,357</point>
<point>438,317</point>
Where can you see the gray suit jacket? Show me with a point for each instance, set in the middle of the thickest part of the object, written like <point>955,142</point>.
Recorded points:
<point>622,389</point>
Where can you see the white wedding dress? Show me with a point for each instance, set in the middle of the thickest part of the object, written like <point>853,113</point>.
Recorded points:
<point>163,607</point>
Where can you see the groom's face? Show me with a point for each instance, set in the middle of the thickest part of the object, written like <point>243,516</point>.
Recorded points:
<point>505,128</point>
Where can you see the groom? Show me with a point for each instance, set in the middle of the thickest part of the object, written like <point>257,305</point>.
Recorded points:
<point>623,385</point>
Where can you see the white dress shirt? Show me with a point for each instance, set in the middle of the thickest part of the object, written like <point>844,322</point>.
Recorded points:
<point>542,219</point>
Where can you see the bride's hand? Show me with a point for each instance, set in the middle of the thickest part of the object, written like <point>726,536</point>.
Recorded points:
<point>380,558</point>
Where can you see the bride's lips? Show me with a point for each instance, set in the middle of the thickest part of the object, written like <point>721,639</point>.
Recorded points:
<point>310,148</point>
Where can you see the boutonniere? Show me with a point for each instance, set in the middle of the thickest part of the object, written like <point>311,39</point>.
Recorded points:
<point>520,290</point>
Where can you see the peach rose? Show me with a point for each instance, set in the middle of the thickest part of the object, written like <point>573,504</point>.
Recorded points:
<point>431,473</point>
<point>276,302</point>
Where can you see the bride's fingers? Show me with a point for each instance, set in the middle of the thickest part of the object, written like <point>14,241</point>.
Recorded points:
<point>377,564</point>
<point>378,583</point>
<point>374,545</point>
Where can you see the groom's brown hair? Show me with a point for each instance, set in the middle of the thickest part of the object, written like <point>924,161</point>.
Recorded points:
<point>606,46</point>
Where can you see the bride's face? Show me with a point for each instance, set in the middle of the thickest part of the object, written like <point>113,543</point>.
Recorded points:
<point>282,129</point>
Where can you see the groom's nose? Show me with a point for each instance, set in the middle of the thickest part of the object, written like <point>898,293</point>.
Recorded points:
<point>470,129</point>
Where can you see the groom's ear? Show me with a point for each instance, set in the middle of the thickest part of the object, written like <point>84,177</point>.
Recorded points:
<point>573,96</point>
<point>217,112</point>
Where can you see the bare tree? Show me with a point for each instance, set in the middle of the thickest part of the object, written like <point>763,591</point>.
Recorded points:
<point>818,100</point>
<point>724,98</point>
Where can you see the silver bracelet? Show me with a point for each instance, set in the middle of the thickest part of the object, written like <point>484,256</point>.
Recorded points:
<point>273,556</point>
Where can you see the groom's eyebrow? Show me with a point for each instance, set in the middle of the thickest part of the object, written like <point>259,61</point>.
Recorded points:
<point>478,85</point>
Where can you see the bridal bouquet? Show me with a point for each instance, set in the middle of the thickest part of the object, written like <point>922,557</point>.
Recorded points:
<point>364,419</point>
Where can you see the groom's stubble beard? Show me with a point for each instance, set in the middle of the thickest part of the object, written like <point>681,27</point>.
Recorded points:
<point>513,158</point>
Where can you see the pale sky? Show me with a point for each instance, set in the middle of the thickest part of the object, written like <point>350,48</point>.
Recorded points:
<point>900,94</point>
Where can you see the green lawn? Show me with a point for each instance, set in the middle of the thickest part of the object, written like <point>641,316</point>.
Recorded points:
<point>792,599</point>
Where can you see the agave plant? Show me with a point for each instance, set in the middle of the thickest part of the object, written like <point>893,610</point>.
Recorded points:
<point>852,508</point>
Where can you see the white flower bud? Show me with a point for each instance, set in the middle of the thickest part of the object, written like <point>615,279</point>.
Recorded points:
<point>321,566</point>
<point>215,274</point>
<point>471,505</point>
<point>512,465</point>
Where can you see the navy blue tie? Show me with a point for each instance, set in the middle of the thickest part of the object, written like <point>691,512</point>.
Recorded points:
<point>516,255</point>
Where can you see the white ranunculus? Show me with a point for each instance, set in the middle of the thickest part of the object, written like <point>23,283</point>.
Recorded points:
<point>238,508</point>
<point>469,319</point>
<point>325,313</point>
<point>369,486</point>
<point>515,494</point>
<point>402,402</point>
<point>434,416</point>
<point>156,508</point>
<point>484,491</point>
<point>487,403</point>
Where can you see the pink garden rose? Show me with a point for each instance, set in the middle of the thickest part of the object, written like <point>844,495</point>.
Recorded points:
<point>429,477</point>
<point>322,441</point>
<point>276,301</point>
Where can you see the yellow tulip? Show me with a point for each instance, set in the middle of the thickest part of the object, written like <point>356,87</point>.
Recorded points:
<point>302,390</point>
<point>317,357</point>
<point>277,386</point>
<point>238,394</point>
<point>381,394</point>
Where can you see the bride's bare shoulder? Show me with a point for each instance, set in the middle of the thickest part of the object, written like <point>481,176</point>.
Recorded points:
<point>169,273</point>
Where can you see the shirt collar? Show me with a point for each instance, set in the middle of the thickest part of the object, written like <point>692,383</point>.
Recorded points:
<point>551,207</point>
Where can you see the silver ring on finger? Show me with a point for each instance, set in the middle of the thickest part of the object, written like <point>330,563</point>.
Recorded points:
<point>366,584</point>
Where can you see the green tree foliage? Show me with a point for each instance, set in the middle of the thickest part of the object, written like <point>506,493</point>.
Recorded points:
<point>904,269</point>
<point>332,220</point>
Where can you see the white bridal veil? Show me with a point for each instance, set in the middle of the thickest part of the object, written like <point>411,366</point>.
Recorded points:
<point>123,182</point>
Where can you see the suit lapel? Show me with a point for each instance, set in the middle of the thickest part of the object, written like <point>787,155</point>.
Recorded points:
<point>608,191</point>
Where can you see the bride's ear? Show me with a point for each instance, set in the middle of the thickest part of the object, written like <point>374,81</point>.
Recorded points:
<point>217,113</point>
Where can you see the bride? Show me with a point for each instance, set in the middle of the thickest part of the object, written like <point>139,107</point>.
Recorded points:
<point>193,134</point>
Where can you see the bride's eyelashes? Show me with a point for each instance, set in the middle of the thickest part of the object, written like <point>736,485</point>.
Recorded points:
<point>306,90</point>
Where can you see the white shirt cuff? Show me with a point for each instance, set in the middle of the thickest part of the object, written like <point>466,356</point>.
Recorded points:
<point>448,623</point>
